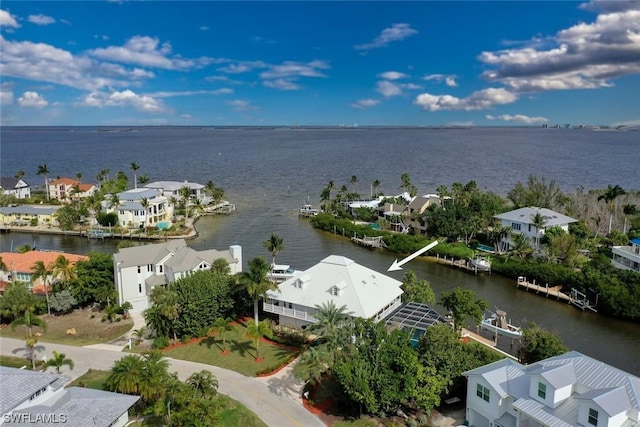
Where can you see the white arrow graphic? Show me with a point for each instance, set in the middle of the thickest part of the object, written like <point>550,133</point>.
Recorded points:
<point>397,265</point>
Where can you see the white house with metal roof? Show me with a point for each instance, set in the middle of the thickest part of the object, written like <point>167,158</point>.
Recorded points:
<point>16,187</point>
<point>31,397</point>
<point>520,221</point>
<point>172,189</point>
<point>139,269</point>
<point>562,391</point>
<point>141,207</point>
<point>627,257</point>
<point>365,292</point>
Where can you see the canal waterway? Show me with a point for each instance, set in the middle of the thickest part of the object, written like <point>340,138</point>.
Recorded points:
<point>268,174</point>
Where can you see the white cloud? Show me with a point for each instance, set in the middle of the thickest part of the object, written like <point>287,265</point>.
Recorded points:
<point>235,68</point>
<point>126,98</point>
<point>241,105</point>
<point>290,69</point>
<point>41,19</point>
<point>479,100</point>
<point>8,20</point>
<point>388,88</point>
<point>519,118</point>
<point>6,93</point>
<point>148,52</point>
<point>31,99</point>
<point>584,56</point>
<point>365,103</point>
<point>393,75</point>
<point>282,84</point>
<point>394,33</point>
<point>222,91</point>
<point>449,79</point>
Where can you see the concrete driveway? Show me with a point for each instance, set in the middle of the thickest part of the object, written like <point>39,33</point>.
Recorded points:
<point>269,400</point>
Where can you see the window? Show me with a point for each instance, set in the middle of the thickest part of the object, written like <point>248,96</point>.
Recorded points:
<point>482,392</point>
<point>516,226</point>
<point>138,269</point>
<point>160,268</point>
<point>149,268</point>
<point>335,291</point>
<point>593,417</point>
<point>140,287</point>
<point>542,390</point>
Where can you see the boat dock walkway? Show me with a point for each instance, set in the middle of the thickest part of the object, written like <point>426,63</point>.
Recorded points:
<point>462,264</point>
<point>465,333</point>
<point>576,297</point>
<point>370,242</point>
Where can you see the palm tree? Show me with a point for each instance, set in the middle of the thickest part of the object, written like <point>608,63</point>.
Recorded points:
<point>353,181</point>
<point>221,266</point>
<point>134,167</point>
<point>312,364</point>
<point>185,193</point>
<point>628,210</point>
<point>44,272</point>
<point>58,361</point>
<point>221,326</point>
<point>102,175</point>
<point>331,324</point>
<point>145,204</point>
<point>63,270</point>
<point>139,334</point>
<point>258,330</point>
<point>374,187</point>
<point>256,283</point>
<point>155,376</point>
<point>20,174</point>
<point>23,249</point>
<point>275,244</point>
<point>126,375</point>
<point>609,196</point>
<point>143,179</point>
<point>521,246</point>
<point>44,170</point>
<point>538,221</point>
<point>29,321</point>
<point>203,382</point>
<point>164,311</point>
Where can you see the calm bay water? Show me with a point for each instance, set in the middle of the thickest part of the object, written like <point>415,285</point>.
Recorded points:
<point>268,174</point>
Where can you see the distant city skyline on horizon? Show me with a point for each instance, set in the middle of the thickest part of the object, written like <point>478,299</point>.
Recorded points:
<point>344,63</point>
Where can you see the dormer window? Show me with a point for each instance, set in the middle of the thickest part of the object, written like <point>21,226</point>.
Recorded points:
<point>542,390</point>
<point>335,291</point>
<point>593,417</point>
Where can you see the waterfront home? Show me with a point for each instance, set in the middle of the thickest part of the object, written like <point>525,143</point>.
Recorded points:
<point>28,215</point>
<point>68,189</point>
<point>365,293</point>
<point>19,268</point>
<point>627,257</point>
<point>562,391</point>
<point>139,269</point>
<point>413,215</point>
<point>520,221</point>
<point>172,189</point>
<point>15,187</point>
<point>32,397</point>
<point>141,207</point>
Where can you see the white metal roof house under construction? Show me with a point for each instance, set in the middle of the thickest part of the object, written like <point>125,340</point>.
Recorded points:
<point>365,292</point>
<point>562,391</point>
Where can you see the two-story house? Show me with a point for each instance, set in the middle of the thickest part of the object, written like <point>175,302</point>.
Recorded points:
<point>141,207</point>
<point>521,221</point>
<point>173,189</point>
<point>563,391</point>
<point>413,215</point>
<point>15,187</point>
<point>139,269</point>
<point>365,292</point>
<point>627,257</point>
<point>40,398</point>
<point>67,189</point>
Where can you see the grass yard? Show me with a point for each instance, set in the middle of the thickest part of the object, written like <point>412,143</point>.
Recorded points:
<point>18,362</point>
<point>88,325</point>
<point>241,353</point>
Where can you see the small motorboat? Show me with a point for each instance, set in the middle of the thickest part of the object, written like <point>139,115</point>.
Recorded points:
<point>480,263</point>
<point>497,323</point>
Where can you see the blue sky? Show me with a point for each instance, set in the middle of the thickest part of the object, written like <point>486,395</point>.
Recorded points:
<point>319,63</point>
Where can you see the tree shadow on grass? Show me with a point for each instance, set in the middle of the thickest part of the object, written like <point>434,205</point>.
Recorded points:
<point>212,341</point>
<point>241,347</point>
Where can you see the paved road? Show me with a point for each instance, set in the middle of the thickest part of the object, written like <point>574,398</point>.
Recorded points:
<point>268,400</point>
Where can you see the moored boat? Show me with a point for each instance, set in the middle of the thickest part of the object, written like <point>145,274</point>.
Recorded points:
<point>497,323</point>
<point>280,272</point>
<point>308,210</point>
<point>480,263</point>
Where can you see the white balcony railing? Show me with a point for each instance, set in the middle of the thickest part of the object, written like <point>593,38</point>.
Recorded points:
<point>289,312</point>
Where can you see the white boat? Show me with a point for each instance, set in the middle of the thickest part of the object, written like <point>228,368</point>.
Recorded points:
<point>280,272</point>
<point>480,263</point>
<point>308,210</point>
<point>497,323</point>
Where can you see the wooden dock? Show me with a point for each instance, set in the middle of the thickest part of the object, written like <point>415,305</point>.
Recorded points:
<point>369,242</point>
<point>462,264</point>
<point>576,297</point>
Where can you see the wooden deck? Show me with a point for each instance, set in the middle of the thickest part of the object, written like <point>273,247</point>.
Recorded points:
<point>462,264</point>
<point>369,242</point>
<point>576,297</point>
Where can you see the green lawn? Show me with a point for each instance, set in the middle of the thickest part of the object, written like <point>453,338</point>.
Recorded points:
<point>18,362</point>
<point>241,356</point>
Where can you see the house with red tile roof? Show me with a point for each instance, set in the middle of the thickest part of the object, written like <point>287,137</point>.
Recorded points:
<point>19,267</point>
<point>67,189</point>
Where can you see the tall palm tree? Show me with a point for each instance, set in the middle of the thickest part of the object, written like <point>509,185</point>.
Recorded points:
<point>220,265</point>
<point>203,383</point>
<point>126,375</point>
<point>102,175</point>
<point>145,204</point>
<point>256,283</point>
<point>628,210</point>
<point>155,376</point>
<point>353,181</point>
<point>63,269</point>
<point>538,221</point>
<point>44,170</point>
<point>44,272</point>
<point>256,331</point>
<point>275,244</point>
<point>609,196</point>
<point>134,167</point>
<point>143,179</point>
<point>164,311</point>
<point>332,325</point>
<point>374,187</point>
<point>185,193</point>
<point>313,364</point>
<point>29,321</point>
<point>58,361</point>
<point>221,326</point>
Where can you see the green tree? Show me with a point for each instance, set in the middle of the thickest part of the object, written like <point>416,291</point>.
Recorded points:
<point>58,361</point>
<point>275,244</point>
<point>415,290</point>
<point>44,272</point>
<point>126,375</point>
<point>538,221</point>
<point>134,167</point>
<point>332,324</point>
<point>257,331</point>
<point>256,283</point>
<point>153,384</point>
<point>143,179</point>
<point>23,249</point>
<point>63,270</point>
<point>68,217</point>
<point>94,281</point>
<point>164,310</point>
<point>462,304</point>
<point>145,205</point>
<point>44,171</point>
<point>29,321</point>
<point>536,192</point>
<point>221,326</point>
<point>185,194</point>
<point>521,246</point>
<point>62,301</point>
<point>15,300</point>
<point>375,184</point>
<point>313,364</point>
<point>221,266</point>
<point>204,384</point>
<point>609,196</point>
<point>537,344</point>
<point>628,210</point>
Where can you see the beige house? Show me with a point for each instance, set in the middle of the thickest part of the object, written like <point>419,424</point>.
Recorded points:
<point>67,189</point>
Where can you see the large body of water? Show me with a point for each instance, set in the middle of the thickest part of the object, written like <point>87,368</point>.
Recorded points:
<point>269,173</point>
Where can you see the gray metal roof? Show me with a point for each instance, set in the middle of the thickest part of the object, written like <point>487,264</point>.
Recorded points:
<point>524,216</point>
<point>147,254</point>
<point>29,210</point>
<point>546,415</point>
<point>612,400</point>
<point>174,185</point>
<point>557,376</point>
<point>138,194</point>
<point>19,384</point>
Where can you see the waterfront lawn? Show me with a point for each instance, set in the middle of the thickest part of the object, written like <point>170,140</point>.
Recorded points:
<point>241,353</point>
<point>88,325</point>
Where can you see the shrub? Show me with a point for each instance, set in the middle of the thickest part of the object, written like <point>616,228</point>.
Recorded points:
<point>161,342</point>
